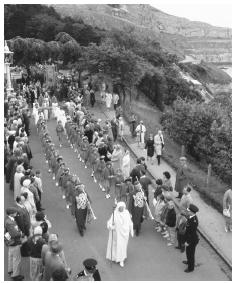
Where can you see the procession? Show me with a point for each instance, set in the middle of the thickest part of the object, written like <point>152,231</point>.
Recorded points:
<point>89,192</point>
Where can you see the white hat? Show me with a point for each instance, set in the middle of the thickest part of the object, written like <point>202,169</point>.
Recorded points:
<point>37,230</point>
<point>26,183</point>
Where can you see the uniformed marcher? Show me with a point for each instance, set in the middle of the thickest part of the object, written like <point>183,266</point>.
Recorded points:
<point>191,237</point>
<point>90,273</point>
<point>136,207</point>
<point>81,208</point>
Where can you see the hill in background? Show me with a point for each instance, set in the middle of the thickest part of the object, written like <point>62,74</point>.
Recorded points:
<point>181,36</point>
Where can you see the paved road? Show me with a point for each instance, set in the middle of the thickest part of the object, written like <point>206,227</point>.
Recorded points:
<point>148,256</point>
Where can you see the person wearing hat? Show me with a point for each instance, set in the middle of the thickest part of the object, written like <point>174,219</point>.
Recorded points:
<point>140,131</point>
<point>191,237</point>
<point>136,207</point>
<point>12,237</point>
<point>65,178</point>
<point>35,244</point>
<point>181,177</point>
<point>90,273</point>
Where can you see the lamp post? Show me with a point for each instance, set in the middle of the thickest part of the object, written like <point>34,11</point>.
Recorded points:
<point>8,60</point>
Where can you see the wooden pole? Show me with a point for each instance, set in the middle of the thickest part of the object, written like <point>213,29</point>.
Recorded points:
<point>208,179</point>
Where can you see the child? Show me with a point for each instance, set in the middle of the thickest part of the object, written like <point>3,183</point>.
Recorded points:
<point>158,204</point>
<point>171,222</point>
<point>60,132</point>
<point>108,175</point>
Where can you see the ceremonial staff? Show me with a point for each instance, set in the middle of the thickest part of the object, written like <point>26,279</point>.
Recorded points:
<point>112,237</point>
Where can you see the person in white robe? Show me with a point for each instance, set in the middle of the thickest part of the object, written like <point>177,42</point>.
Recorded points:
<point>29,202</point>
<point>18,175</point>
<point>126,164</point>
<point>140,130</point>
<point>116,158</point>
<point>108,99</point>
<point>120,226</point>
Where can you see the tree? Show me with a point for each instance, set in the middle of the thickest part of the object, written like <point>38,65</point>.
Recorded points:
<point>125,68</point>
<point>205,130</point>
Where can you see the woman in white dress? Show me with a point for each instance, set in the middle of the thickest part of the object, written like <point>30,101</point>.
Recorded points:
<point>54,105</point>
<point>126,164</point>
<point>45,105</point>
<point>29,201</point>
<point>18,175</point>
<point>35,112</point>
<point>120,226</point>
<point>158,146</point>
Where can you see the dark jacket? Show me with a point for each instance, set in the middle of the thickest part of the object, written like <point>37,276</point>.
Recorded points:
<point>96,275</point>
<point>36,248</point>
<point>191,235</point>
<point>12,228</point>
<point>23,220</point>
<point>171,218</point>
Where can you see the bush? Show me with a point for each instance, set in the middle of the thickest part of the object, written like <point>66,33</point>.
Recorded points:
<point>205,130</point>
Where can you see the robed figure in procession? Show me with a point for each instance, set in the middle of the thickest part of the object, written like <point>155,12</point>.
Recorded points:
<point>120,226</point>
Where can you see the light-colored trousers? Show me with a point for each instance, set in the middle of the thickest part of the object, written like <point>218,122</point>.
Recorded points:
<point>14,260</point>
<point>36,268</point>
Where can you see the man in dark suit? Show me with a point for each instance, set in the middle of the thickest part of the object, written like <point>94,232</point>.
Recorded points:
<point>89,271</point>
<point>26,121</point>
<point>137,171</point>
<point>13,240</point>
<point>191,237</point>
<point>22,218</point>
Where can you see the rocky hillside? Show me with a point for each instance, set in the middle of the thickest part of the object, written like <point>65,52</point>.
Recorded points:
<point>177,35</point>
